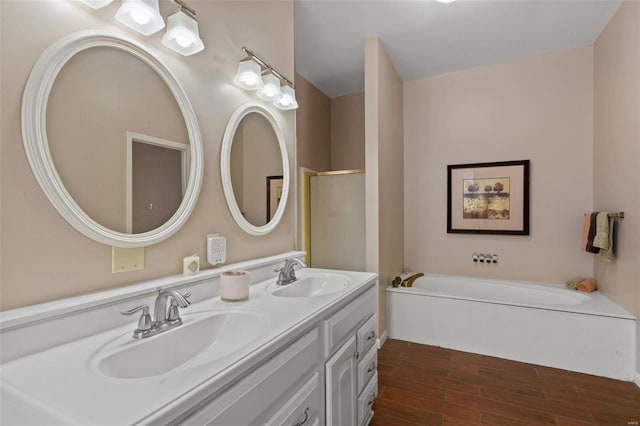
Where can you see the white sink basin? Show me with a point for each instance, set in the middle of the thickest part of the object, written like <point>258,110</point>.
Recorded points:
<point>202,338</point>
<point>313,285</point>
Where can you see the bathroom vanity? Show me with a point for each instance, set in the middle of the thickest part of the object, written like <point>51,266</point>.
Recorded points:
<point>304,353</point>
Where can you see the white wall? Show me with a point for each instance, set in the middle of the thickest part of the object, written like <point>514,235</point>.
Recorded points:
<point>539,109</point>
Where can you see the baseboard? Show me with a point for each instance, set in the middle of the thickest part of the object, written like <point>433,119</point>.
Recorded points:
<point>383,338</point>
<point>636,379</point>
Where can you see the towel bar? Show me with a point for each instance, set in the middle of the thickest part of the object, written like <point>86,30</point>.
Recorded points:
<point>619,215</point>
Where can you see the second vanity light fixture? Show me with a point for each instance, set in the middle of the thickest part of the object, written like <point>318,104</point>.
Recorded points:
<point>143,16</point>
<point>255,74</point>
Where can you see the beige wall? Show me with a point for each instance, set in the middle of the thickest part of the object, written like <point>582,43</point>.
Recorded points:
<point>539,109</point>
<point>383,161</point>
<point>617,149</point>
<point>617,152</point>
<point>313,126</point>
<point>43,258</point>
<point>347,132</point>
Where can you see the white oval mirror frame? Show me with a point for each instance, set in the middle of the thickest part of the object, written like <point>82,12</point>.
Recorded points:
<point>34,136</point>
<point>225,168</point>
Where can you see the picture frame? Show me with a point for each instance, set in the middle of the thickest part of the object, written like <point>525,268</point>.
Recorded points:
<point>274,194</point>
<point>488,198</point>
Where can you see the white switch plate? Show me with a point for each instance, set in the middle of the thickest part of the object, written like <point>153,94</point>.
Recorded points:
<point>216,249</point>
<point>126,259</point>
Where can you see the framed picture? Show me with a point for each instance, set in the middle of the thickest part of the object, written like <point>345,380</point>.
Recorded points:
<point>274,194</point>
<point>488,198</point>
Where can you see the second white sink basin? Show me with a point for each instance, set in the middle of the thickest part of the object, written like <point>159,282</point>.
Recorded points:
<point>314,285</point>
<point>203,337</point>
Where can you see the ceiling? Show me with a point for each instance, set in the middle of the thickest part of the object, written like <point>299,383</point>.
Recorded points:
<point>425,38</point>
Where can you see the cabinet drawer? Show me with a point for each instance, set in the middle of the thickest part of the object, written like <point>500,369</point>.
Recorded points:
<point>366,399</point>
<point>366,335</point>
<point>253,396</point>
<point>303,408</point>
<point>344,322</point>
<point>367,367</point>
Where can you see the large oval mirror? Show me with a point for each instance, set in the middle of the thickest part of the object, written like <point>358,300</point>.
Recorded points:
<point>255,169</point>
<point>112,139</point>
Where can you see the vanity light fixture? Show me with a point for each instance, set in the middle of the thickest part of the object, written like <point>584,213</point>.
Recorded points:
<point>288,98</point>
<point>96,4</point>
<point>142,16</point>
<point>182,34</point>
<point>273,86</point>
<point>270,91</point>
<point>445,1</point>
<point>249,75</point>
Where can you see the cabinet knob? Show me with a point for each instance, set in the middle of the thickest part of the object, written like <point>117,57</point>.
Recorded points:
<point>372,367</point>
<point>303,420</point>
<point>356,355</point>
<point>371,335</point>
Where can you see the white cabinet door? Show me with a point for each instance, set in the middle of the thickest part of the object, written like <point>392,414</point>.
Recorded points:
<point>341,385</point>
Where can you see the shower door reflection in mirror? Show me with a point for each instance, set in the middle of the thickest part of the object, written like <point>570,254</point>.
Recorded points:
<point>255,156</point>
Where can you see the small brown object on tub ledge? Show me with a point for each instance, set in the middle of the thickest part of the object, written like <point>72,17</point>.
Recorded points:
<point>587,285</point>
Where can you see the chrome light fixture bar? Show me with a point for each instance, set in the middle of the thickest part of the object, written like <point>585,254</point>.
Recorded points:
<point>182,34</point>
<point>250,76</point>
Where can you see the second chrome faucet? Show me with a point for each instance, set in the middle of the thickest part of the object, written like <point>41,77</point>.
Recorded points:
<point>287,274</point>
<point>166,319</point>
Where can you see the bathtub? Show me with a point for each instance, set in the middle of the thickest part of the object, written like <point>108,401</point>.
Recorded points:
<point>535,323</point>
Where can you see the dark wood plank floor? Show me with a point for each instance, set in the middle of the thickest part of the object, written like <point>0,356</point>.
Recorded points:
<point>427,385</point>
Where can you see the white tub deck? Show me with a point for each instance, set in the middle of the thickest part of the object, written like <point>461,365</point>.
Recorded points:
<point>535,323</point>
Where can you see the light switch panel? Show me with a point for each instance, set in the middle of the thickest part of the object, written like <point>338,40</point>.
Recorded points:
<point>126,259</point>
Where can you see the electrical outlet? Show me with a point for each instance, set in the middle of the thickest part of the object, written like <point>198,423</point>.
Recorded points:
<point>216,249</point>
<point>126,259</point>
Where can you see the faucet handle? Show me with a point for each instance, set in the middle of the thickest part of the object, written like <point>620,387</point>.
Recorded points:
<point>174,314</point>
<point>145,322</point>
<point>182,299</point>
<point>143,308</point>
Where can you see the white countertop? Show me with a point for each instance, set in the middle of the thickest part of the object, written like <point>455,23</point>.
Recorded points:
<point>62,385</point>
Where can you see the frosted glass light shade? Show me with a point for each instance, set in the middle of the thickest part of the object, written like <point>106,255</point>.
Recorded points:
<point>271,89</point>
<point>288,98</point>
<point>141,15</point>
<point>249,75</point>
<point>96,4</point>
<point>182,34</point>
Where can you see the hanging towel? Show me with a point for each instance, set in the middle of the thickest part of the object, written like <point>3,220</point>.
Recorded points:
<point>601,240</point>
<point>592,233</point>
<point>607,254</point>
<point>585,230</point>
<point>572,284</point>
<point>587,285</point>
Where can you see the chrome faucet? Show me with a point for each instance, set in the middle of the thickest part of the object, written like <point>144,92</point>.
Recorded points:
<point>177,300</point>
<point>287,274</point>
<point>166,319</point>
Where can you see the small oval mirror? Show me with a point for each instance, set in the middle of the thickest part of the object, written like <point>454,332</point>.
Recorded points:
<point>255,169</point>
